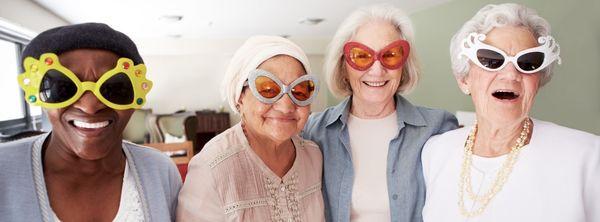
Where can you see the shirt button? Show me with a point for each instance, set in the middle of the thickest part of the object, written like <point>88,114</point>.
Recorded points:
<point>395,196</point>
<point>282,188</point>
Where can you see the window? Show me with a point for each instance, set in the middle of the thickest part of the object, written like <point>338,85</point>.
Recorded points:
<point>11,94</point>
<point>15,115</point>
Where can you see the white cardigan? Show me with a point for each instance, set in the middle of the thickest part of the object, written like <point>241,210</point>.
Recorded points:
<point>555,178</point>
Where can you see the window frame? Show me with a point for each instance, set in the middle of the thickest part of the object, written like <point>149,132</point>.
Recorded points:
<point>28,122</point>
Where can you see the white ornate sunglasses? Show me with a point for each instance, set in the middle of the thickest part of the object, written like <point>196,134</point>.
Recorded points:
<point>267,88</point>
<point>493,59</point>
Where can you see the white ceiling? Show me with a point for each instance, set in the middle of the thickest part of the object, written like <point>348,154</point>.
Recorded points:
<point>218,18</point>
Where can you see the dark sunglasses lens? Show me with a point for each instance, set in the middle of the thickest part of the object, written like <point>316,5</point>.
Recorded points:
<point>303,90</point>
<point>489,58</point>
<point>56,87</point>
<point>266,87</point>
<point>531,61</point>
<point>118,89</point>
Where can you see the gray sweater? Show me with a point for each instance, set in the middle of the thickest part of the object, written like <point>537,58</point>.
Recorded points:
<point>23,195</point>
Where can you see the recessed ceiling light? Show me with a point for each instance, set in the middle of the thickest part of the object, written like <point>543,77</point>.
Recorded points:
<point>171,18</point>
<point>311,21</point>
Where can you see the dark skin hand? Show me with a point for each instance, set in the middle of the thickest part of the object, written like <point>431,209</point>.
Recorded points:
<point>84,166</point>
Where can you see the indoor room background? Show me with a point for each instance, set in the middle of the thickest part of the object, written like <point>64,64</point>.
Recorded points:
<point>187,62</point>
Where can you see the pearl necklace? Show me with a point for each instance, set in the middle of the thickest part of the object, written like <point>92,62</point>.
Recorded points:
<point>501,176</point>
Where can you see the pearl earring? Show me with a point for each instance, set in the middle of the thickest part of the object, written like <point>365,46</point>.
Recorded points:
<point>467,92</point>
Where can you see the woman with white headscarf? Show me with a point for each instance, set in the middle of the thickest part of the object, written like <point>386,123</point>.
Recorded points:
<point>260,169</point>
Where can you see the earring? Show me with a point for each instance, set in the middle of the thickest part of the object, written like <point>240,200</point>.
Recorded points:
<point>467,92</point>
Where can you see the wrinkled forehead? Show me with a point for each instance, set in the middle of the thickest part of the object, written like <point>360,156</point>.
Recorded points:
<point>88,64</point>
<point>376,34</point>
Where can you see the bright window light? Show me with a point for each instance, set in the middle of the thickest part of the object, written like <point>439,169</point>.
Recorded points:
<point>10,95</point>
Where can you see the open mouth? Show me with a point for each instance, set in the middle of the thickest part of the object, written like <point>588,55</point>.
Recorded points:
<point>375,84</point>
<point>90,125</point>
<point>505,94</point>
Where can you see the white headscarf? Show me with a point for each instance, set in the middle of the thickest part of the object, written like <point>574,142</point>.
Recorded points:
<point>249,56</point>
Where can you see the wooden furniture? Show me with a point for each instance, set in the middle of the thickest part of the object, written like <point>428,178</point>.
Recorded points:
<point>180,153</point>
<point>177,124</point>
<point>209,125</point>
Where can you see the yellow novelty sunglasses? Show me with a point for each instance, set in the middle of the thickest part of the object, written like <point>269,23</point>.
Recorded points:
<point>50,85</point>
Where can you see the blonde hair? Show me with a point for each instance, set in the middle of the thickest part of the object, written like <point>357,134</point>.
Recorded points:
<point>334,67</point>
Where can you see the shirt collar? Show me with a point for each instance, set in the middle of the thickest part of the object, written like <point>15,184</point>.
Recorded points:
<point>406,112</point>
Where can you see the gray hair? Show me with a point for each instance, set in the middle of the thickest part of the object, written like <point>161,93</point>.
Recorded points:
<point>334,67</point>
<point>491,16</point>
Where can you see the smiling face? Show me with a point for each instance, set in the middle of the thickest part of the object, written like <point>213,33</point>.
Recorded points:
<point>376,84</point>
<point>283,119</point>
<point>88,128</point>
<point>506,95</point>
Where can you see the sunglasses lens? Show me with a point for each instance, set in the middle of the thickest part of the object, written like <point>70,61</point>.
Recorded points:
<point>266,87</point>
<point>360,57</point>
<point>118,89</point>
<point>303,90</point>
<point>56,87</point>
<point>489,58</point>
<point>531,61</point>
<point>392,58</point>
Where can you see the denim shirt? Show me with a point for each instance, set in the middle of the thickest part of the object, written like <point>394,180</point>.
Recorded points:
<point>406,187</point>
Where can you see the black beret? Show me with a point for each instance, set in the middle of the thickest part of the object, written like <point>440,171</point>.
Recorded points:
<point>82,36</point>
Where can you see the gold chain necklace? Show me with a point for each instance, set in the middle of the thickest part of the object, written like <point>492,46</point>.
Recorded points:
<point>501,176</point>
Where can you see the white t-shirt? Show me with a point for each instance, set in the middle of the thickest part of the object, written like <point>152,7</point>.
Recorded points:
<point>130,206</point>
<point>369,142</point>
<point>556,178</point>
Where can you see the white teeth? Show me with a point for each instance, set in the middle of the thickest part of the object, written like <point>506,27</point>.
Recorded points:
<point>375,84</point>
<point>506,91</point>
<point>90,125</point>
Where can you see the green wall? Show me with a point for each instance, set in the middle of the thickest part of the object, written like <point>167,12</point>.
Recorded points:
<point>571,98</point>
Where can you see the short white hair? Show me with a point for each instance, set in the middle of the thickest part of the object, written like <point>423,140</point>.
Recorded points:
<point>491,16</point>
<point>334,68</point>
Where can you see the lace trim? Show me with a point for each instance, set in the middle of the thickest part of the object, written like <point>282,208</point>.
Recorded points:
<point>291,196</point>
<point>245,204</point>
<point>130,206</point>
<point>223,156</point>
<point>314,188</point>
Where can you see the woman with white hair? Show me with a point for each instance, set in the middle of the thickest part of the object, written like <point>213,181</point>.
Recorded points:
<point>509,167</point>
<point>372,141</point>
<point>260,169</point>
